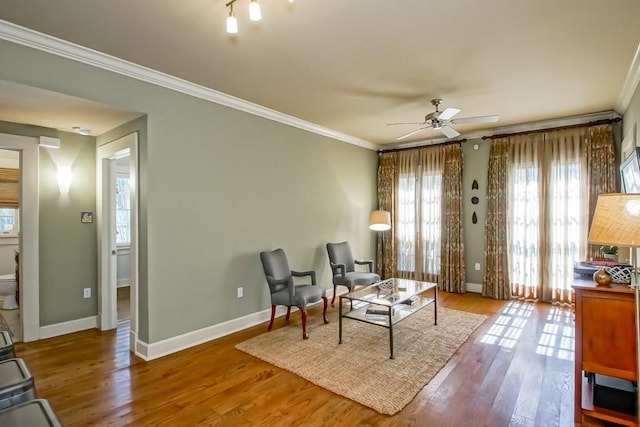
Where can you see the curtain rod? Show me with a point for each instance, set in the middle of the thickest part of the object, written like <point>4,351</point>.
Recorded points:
<point>594,123</point>
<point>457,141</point>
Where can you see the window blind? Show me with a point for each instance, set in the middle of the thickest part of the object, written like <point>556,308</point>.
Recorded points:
<point>9,188</point>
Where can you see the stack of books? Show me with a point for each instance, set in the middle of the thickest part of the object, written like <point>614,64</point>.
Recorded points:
<point>414,300</point>
<point>377,312</point>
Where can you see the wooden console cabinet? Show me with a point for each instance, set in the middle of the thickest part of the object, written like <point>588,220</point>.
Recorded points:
<point>605,344</point>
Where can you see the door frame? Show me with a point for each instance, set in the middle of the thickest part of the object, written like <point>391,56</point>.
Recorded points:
<point>29,232</point>
<point>107,250</point>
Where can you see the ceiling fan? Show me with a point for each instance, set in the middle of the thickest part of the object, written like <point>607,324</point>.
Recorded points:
<point>440,121</point>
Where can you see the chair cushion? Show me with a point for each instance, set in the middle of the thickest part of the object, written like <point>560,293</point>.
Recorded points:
<point>304,295</point>
<point>356,278</point>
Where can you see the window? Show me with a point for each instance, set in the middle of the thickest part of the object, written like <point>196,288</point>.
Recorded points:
<point>431,213</point>
<point>8,221</point>
<point>563,225</point>
<point>123,211</point>
<point>428,199</point>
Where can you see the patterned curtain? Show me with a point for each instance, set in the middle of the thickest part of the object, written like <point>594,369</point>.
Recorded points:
<point>387,181</point>
<point>496,274</point>
<point>452,268</point>
<point>602,173</point>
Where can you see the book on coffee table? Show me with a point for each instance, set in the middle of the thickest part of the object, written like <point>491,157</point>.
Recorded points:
<point>377,310</point>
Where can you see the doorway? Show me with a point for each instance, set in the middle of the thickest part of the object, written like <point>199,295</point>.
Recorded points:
<point>117,168</point>
<point>28,272</point>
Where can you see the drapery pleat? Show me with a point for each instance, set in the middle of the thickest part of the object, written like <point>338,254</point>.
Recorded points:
<point>452,266</point>
<point>495,283</point>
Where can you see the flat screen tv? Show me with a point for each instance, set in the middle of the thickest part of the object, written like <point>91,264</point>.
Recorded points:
<point>630,172</point>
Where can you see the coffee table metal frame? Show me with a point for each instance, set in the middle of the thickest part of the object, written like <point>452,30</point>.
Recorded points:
<point>391,299</point>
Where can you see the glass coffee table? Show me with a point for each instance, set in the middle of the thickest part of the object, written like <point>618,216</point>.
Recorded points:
<point>388,302</point>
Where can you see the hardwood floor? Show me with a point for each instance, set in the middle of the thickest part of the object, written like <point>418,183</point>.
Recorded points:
<point>516,369</point>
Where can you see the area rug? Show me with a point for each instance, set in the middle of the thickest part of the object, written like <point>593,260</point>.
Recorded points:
<point>360,368</point>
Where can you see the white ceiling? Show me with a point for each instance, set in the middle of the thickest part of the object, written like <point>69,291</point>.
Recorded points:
<point>355,65</point>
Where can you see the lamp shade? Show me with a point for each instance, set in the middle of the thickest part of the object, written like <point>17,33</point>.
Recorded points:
<point>616,220</point>
<point>380,220</point>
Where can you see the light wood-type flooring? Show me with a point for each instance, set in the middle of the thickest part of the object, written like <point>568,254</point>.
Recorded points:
<point>516,369</point>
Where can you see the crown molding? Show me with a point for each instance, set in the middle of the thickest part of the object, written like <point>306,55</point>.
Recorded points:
<point>46,43</point>
<point>630,84</point>
<point>523,127</point>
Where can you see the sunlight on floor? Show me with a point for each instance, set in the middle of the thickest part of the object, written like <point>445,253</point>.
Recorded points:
<point>507,328</point>
<point>558,335</point>
<point>557,338</point>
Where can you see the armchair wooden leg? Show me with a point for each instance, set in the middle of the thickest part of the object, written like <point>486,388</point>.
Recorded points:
<point>273,315</point>
<point>334,295</point>
<point>324,310</point>
<point>303,313</point>
<point>288,313</point>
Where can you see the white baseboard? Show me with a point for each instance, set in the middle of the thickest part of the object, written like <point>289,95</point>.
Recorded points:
<point>181,342</point>
<point>474,287</point>
<point>69,327</point>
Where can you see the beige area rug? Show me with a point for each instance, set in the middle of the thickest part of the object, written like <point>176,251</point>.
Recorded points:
<point>360,368</point>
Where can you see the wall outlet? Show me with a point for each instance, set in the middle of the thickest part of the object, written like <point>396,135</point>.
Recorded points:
<point>477,266</point>
<point>240,292</point>
<point>87,292</point>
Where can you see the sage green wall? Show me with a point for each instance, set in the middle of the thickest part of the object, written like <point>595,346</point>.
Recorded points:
<point>67,247</point>
<point>475,167</point>
<point>221,185</point>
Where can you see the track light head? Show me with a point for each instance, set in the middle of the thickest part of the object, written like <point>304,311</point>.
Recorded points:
<point>232,21</point>
<point>255,14</point>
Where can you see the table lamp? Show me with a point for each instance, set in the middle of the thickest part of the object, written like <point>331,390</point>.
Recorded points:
<point>616,221</point>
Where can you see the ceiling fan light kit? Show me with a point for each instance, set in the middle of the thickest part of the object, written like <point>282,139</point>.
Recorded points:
<point>440,121</point>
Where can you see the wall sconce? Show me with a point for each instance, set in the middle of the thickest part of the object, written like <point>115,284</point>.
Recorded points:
<point>380,221</point>
<point>64,179</point>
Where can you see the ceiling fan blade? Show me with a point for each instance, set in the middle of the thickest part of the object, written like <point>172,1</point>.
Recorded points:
<point>408,123</point>
<point>479,119</point>
<point>448,113</point>
<point>449,132</point>
<point>411,133</point>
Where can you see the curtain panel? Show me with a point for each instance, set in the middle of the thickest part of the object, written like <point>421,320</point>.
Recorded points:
<point>541,194</point>
<point>495,283</point>
<point>387,182</point>
<point>602,171</point>
<point>452,265</point>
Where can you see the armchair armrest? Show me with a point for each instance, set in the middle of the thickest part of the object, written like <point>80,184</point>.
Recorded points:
<point>288,282</point>
<point>365,262</point>
<point>310,273</point>
<point>338,269</point>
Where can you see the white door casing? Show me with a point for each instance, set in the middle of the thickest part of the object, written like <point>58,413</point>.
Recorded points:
<point>107,266</point>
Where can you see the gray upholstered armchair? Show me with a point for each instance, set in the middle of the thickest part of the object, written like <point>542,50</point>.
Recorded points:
<point>283,291</point>
<point>343,267</point>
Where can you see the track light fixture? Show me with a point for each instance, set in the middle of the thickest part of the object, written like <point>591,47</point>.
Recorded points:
<point>255,14</point>
<point>232,22</point>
